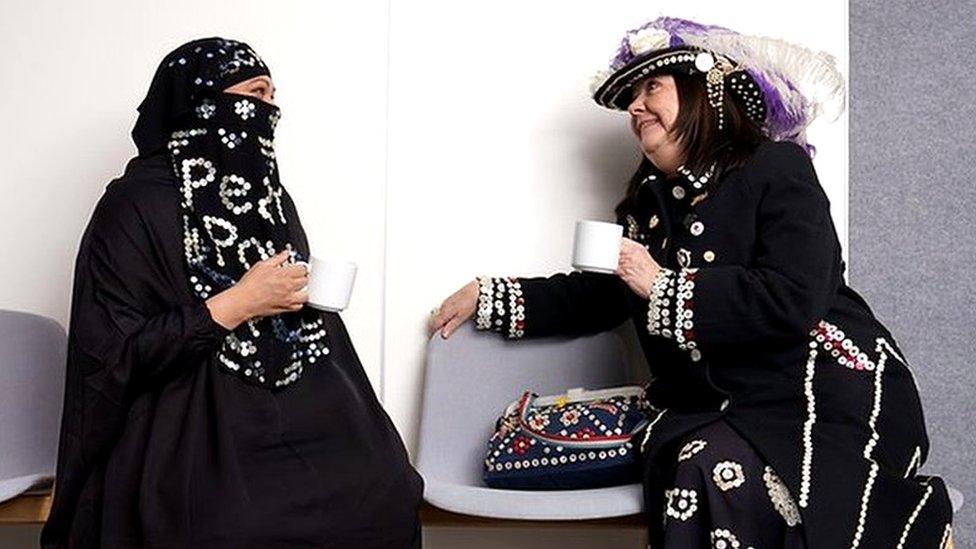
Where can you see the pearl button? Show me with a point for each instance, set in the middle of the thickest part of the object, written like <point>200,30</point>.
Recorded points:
<point>709,256</point>
<point>725,404</point>
<point>653,222</point>
<point>678,192</point>
<point>695,355</point>
<point>697,228</point>
<point>684,257</point>
<point>704,61</point>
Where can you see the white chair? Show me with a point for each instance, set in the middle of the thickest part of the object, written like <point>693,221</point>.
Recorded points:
<point>470,378</point>
<point>32,365</point>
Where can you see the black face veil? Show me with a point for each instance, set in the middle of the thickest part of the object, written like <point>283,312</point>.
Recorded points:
<point>222,150</point>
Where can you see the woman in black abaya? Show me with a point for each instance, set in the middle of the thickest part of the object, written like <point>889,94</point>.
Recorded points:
<point>205,405</point>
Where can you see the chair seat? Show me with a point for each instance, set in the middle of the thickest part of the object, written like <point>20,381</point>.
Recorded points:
<point>481,501</point>
<point>469,380</point>
<point>32,365</point>
<point>13,487</point>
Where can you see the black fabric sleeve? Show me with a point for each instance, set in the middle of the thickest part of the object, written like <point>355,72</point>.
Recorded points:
<point>789,286</point>
<point>571,304</point>
<point>125,318</point>
<point>153,347</point>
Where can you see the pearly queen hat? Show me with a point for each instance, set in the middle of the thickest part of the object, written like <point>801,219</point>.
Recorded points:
<point>782,86</point>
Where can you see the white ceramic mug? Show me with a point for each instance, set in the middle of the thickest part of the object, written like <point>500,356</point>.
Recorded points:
<point>596,246</point>
<point>330,282</point>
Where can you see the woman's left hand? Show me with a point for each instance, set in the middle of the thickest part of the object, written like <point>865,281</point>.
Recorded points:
<point>636,267</point>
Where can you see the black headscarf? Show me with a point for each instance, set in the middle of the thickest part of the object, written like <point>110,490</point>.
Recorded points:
<point>195,69</point>
<point>222,150</point>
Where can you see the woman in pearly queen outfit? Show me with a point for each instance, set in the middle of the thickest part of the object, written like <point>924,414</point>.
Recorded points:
<point>785,414</point>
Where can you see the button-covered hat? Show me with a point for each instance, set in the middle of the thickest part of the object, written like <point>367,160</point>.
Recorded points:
<point>783,87</point>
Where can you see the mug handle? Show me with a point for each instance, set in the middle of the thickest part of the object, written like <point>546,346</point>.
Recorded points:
<point>308,269</point>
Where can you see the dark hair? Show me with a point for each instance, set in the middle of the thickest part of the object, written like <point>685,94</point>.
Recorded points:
<point>696,129</point>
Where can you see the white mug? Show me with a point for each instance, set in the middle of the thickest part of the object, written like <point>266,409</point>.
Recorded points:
<point>330,282</point>
<point>596,246</point>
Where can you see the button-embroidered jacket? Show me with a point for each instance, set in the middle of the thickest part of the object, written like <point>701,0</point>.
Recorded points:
<point>751,320</point>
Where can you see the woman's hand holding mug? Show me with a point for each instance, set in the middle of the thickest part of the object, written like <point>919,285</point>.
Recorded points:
<point>269,287</point>
<point>636,267</point>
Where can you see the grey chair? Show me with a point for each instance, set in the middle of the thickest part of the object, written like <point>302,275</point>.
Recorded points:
<point>957,499</point>
<point>470,378</point>
<point>32,364</point>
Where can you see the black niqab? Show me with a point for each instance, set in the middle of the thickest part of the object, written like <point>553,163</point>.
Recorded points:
<point>184,76</point>
<point>222,150</point>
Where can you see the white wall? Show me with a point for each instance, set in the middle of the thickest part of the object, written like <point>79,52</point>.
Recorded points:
<point>74,72</point>
<point>460,142</point>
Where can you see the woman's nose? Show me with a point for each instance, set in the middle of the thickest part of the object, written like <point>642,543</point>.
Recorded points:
<point>637,104</point>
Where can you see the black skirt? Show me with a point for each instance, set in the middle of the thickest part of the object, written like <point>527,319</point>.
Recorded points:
<point>715,492</point>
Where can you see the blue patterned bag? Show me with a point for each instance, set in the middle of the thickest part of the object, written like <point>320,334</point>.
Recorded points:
<point>578,440</point>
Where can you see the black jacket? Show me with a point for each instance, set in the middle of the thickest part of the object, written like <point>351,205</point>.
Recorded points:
<point>758,267</point>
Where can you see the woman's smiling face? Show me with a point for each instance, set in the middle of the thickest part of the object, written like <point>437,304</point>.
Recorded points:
<point>653,110</point>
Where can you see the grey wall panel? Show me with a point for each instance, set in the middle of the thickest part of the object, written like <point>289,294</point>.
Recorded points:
<point>913,209</point>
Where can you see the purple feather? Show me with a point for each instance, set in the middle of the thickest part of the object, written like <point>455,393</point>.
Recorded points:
<point>673,25</point>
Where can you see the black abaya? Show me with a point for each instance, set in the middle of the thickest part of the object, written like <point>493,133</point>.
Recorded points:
<point>162,448</point>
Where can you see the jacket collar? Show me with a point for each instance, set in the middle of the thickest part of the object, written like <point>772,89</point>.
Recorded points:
<point>684,186</point>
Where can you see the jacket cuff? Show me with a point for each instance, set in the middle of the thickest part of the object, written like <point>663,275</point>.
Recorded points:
<point>670,311</point>
<point>202,325</point>
<point>501,306</point>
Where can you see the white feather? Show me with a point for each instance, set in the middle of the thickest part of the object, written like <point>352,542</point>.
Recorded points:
<point>808,81</point>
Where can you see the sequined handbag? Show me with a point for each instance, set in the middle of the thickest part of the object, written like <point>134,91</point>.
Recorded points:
<point>578,440</point>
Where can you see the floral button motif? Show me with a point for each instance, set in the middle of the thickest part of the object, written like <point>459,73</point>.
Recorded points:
<point>570,417</point>
<point>681,503</point>
<point>521,445</point>
<point>539,422</point>
<point>244,108</point>
<point>728,475</point>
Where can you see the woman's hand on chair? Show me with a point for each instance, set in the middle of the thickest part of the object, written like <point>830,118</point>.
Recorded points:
<point>636,267</point>
<point>455,310</point>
